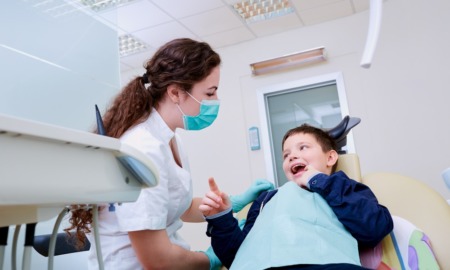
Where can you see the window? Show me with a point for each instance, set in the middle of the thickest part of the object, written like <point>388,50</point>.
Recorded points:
<point>318,101</point>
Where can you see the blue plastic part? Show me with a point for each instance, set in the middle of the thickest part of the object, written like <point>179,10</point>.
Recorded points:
<point>143,174</point>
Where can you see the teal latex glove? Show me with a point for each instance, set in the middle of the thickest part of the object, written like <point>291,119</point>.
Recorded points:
<point>241,223</point>
<point>214,262</point>
<point>240,201</point>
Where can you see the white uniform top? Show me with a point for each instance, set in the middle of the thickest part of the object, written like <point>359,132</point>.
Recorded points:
<point>156,208</point>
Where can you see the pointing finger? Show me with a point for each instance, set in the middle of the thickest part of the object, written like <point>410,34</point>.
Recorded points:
<point>213,186</point>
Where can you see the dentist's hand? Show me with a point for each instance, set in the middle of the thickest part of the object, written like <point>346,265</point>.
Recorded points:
<point>214,262</point>
<point>240,201</point>
<point>241,223</point>
<point>214,201</point>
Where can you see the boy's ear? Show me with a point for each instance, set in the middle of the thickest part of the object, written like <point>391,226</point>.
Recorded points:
<point>332,158</point>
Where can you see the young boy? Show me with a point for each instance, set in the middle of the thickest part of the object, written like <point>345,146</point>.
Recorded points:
<point>317,220</point>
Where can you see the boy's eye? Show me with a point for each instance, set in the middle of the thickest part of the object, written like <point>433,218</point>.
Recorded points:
<point>303,147</point>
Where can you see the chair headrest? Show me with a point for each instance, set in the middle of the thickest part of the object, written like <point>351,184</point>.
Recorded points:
<point>340,131</point>
<point>349,164</point>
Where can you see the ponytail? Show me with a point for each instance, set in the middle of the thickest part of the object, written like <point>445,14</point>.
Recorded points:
<point>131,107</point>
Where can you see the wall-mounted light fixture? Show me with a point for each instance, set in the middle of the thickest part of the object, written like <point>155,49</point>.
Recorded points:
<point>289,61</point>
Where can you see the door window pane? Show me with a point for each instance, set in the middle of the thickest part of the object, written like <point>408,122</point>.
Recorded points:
<point>317,106</point>
<point>320,103</point>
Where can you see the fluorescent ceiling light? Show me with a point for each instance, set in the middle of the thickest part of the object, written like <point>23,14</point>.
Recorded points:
<point>100,5</point>
<point>259,10</point>
<point>128,44</point>
<point>289,61</point>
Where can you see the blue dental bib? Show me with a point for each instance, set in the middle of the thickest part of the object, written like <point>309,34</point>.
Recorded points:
<point>296,227</point>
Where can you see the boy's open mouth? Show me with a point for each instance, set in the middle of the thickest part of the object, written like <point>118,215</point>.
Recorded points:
<point>297,167</point>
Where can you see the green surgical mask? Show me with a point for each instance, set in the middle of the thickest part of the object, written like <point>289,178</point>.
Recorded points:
<point>208,113</point>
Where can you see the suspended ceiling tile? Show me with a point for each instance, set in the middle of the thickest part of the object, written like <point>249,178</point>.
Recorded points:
<point>361,5</point>
<point>212,22</point>
<point>136,16</point>
<point>302,5</point>
<point>181,9</point>
<point>159,35</point>
<point>137,60</point>
<point>230,37</point>
<point>275,25</point>
<point>326,13</point>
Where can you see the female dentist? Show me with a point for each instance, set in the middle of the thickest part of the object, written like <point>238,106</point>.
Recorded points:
<point>178,90</point>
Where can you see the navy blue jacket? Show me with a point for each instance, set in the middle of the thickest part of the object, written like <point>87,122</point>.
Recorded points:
<point>354,204</point>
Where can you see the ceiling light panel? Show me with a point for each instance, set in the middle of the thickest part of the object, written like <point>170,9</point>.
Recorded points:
<point>128,44</point>
<point>259,10</point>
<point>101,5</point>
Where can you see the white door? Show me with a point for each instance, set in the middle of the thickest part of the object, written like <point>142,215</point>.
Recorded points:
<point>318,101</point>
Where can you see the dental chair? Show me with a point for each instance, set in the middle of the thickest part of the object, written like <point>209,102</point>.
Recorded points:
<point>416,209</point>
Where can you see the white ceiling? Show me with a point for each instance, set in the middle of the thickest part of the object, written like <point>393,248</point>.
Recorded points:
<point>214,21</point>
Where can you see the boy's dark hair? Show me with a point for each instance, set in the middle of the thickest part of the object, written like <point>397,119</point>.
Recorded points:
<point>323,138</point>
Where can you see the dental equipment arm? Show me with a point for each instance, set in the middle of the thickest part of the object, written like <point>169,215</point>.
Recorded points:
<point>372,33</point>
<point>37,157</point>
